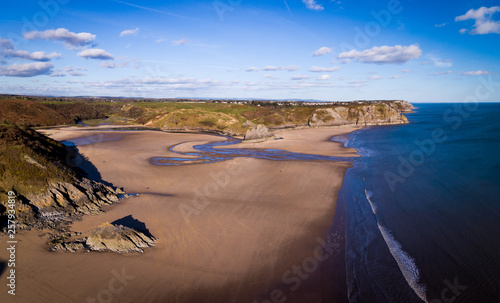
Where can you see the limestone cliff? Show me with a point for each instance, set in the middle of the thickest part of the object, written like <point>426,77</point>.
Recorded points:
<point>361,115</point>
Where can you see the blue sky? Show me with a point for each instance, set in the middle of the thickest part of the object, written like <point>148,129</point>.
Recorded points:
<point>421,51</point>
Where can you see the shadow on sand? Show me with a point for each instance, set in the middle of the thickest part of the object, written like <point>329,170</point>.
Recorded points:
<point>130,221</point>
<point>3,267</point>
<point>83,166</point>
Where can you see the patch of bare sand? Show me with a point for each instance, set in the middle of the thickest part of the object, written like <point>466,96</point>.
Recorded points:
<point>315,141</point>
<point>228,231</point>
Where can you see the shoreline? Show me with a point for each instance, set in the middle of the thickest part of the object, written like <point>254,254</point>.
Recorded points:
<point>241,243</point>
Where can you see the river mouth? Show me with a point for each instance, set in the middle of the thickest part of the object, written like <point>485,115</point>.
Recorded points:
<point>210,153</point>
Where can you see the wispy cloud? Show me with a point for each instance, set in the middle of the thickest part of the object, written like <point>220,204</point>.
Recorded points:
<point>147,8</point>
<point>319,69</point>
<point>324,77</point>
<point>130,32</point>
<point>252,69</point>
<point>112,65</point>
<point>440,73</point>
<point>289,68</point>
<point>322,51</point>
<point>312,5</point>
<point>299,77</point>
<point>180,42</point>
<point>384,54</point>
<point>477,73</point>
<point>438,62</point>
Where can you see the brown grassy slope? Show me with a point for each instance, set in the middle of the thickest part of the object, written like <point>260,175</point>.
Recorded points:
<point>29,112</point>
<point>30,160</point>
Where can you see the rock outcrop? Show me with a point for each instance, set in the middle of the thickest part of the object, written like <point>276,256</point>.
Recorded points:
<point>376,114</point>
<point>119,239</point>
<point>105,237</point>
<point>64,201</point>
<point>259,133</point>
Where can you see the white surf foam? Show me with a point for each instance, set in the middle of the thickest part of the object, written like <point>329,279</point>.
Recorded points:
<point>405,262</point>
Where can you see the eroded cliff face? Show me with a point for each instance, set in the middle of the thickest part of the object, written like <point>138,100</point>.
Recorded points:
<point>362,115</point>
<point>63,202</point>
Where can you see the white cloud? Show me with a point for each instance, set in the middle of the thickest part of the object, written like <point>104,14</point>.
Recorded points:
<point>27,70</point>
<point>160,40</point>
<point>437,61</point>
<point>269,76</point>
<point>252,69</point>
<point>397,77</point>
<point>180,42</point>
<point>319,69</point>
<point>35,56</point>
<point>130,32</point>
<point>406,71</point>
<point>297,77</point>
<point>95,53</point>
<point>311,4</point>
<point>442,73</point>
<point>484,24</point>
<point>322,51</point>
<point>70,39</point>
<point>324,77</point>
<point>477,73</point>
<point>384,54</point>
<point>289,68</point>
<point>374,77</point>
<point>463,31</point>
<point>441,25</point>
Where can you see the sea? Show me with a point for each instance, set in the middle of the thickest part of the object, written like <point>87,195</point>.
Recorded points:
<point>422,208</point>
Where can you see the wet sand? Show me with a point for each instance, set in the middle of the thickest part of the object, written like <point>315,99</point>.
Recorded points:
<point>242,230</point>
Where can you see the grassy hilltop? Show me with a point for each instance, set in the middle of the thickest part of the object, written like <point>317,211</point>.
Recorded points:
<point>224,116</point>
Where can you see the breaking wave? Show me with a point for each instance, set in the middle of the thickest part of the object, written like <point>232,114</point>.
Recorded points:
<point>405,262</point>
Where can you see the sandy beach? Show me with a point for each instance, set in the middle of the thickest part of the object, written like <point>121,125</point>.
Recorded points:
<point>241,230</point>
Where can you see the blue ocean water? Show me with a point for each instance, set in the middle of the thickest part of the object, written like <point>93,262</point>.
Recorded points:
<point>423,208</point>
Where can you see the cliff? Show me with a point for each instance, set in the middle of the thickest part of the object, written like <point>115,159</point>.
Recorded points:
<point>50,190</point>
<point>363,115</point>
